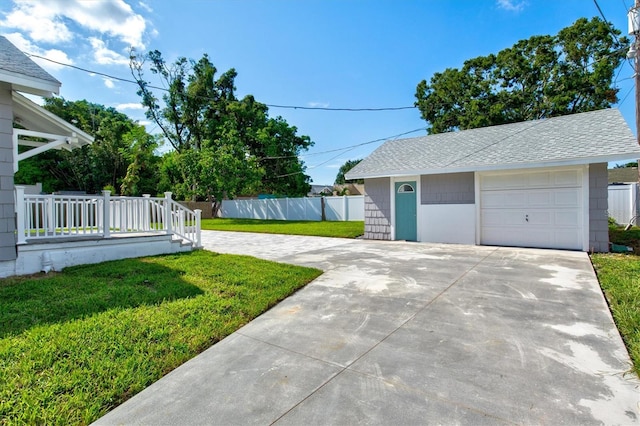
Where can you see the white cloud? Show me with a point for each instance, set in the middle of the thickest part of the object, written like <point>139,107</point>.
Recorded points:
<point>108,82</point>
<point>318,104</point>
<point>512,5</point>
<point>105,56</point>
<point>45,21</point>
<point>145,6</point>
<point>26,46</point>
<point>36,20</point>
<point>333,166</point>
<point>131,105</point>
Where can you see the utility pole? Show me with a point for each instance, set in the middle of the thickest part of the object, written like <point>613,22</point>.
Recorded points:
<point>634,26</point>
<point>634,50</point>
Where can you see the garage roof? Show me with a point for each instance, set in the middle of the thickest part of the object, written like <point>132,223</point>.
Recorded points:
<point>590,137</point>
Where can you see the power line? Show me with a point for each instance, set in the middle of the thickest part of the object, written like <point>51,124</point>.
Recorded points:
<point>346,148</point>
<point>164,89</point>
<point>344,151</point>
<point>611,30</point>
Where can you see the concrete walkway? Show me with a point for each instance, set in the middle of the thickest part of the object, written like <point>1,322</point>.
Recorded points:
<point>406,333</point>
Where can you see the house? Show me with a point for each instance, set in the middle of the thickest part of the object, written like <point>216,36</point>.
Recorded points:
<point>44,232</point>
<point>540,183</point>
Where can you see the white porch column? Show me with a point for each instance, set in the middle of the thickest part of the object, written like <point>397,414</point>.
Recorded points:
<point>146,212</point>
<point>168,226</point>
<point>106,213</point>
<point>198,213</point>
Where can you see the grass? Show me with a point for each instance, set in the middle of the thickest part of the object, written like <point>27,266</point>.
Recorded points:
<point>75,344</point>
<point>319,229</point>
<point>619,276</point>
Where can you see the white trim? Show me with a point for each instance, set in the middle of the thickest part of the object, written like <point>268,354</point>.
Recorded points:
<point>501,167</point>
<point>52,123</point>
<point>586,211</point>
<point>28,84</point>
<point>392,208</point>
<point>478,203</point>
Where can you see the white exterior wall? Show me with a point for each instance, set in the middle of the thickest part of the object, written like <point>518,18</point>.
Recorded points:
<point>447,223</point>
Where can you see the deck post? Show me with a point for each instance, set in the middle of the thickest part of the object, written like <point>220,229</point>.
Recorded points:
<point>168,226</point>
<point>146,213</point>
<point>106,213</point>
<point>20,215</point>
<point>198,213</point>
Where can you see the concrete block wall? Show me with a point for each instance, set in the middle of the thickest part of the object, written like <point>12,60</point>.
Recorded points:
<point>7,204</point>
<point>447,188</point>
<point>598,208</point>
<point>377,209</point>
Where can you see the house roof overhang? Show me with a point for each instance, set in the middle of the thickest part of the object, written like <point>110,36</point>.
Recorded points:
<point>28,84</point>
<point>40,123</point>
<point>496,167</point>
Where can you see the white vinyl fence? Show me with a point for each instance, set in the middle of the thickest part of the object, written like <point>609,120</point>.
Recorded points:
<point>623,205</point>
<point>335,208</point>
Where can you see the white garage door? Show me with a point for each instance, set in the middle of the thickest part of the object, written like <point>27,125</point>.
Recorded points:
<point>532,209</point>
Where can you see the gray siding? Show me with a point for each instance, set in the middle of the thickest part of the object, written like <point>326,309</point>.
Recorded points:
<point>449,188</point>
<point>598,206</point>
<point>7,205</point>
<point>377,209</point>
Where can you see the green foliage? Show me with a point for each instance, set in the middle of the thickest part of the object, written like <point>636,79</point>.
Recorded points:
<point>348,165</point>
<point>619,278</point>
<point>90,168</point>
<point>351,229</point>
<point>223,146</point>
<point>78,343</point>
<point>543,76</point>
<point>626,165</point>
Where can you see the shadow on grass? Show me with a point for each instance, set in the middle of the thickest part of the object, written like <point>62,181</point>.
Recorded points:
<point>77,292</point>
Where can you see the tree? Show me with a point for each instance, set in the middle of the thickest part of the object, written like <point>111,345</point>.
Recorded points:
<point>223,146</point>
<point>90,168</point>
<point>543,76</point>
<point>626,165</point>
<point>348,165</point>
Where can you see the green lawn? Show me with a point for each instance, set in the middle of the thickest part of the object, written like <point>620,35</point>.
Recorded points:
<point>290,227</point>
<point>619,276</point>
<point>75,344</point>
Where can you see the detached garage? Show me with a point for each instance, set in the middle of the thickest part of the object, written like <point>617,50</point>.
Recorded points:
<point>539,183</point>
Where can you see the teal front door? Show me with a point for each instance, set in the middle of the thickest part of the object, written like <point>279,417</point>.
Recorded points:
<point>406,221</point>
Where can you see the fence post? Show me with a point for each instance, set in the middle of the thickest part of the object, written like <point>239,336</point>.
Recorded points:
<point>323,216</point>
<point>106,213</point>
<point>345,208</point>
<point>168,226</point>
<point>198,213</point>
<point>48,214</point>
<point>20,215</point>
<point>146,213</point>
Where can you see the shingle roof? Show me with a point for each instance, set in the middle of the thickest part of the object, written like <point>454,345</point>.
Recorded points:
<point>590,137</point>
<point>14,63</point>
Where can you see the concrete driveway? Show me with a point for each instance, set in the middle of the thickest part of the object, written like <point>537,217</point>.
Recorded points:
<point>406,333</point>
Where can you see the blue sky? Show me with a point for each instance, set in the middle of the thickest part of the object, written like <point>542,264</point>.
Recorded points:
<point>327,53</point>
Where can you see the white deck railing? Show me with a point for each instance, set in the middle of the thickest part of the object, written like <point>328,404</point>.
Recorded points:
<point>63,216</point>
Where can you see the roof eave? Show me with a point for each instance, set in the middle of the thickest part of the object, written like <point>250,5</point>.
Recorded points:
<point>28,84</point>
<point>83,137</point>
<point>515,166</point>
